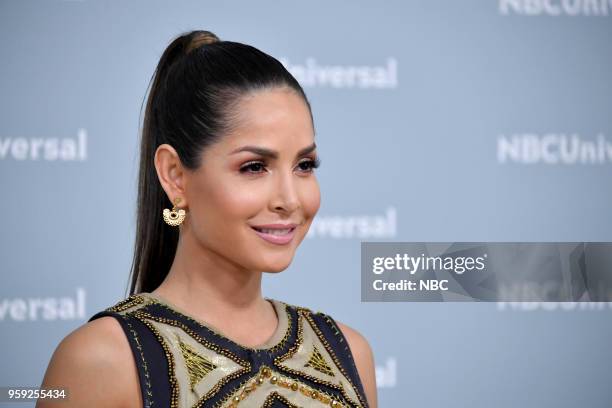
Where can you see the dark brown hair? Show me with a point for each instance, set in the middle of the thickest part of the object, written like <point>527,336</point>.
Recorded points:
<point>191,104</point>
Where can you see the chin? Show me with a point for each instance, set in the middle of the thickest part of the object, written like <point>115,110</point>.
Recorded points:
<point>273,271</point>
<point>275,266</point>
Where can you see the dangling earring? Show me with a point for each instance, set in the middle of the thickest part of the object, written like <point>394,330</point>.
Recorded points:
<point>174,217</point>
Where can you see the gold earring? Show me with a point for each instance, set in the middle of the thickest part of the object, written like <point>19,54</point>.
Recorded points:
<point>174,217</point>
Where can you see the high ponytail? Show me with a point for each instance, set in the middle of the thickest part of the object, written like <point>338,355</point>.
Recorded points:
<point>197,82</point>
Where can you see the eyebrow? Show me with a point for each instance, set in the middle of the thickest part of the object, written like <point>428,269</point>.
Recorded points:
<point>262,151</point>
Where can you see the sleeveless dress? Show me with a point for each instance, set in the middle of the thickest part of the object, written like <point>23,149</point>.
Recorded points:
<point>183,362</point>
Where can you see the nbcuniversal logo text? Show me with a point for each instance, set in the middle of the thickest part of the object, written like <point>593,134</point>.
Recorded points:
<point>49,308</point>
<point>357,226</point>
<point>556,8</point>
<point>50,149</point>
<point>311,74</point>
<point>553,148</point>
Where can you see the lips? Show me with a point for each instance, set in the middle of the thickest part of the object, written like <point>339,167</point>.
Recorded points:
<point>276,233</point>
<point>275,226</point>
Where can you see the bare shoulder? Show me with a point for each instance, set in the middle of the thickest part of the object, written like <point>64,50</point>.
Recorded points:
<point>94,364</point>
<point>364,360</point>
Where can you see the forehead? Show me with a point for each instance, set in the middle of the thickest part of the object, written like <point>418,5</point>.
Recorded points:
<point>271,117</point>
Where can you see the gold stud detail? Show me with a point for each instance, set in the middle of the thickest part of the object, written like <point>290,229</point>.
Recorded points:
<point>266,371</point>
<point>284,382</point>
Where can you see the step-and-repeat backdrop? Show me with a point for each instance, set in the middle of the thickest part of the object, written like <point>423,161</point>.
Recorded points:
<point>473,121</point>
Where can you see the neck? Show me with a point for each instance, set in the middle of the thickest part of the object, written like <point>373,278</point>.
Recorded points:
<point>208,284</point>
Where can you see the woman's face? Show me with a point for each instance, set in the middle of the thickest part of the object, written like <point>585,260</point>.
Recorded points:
<point>237,188</point>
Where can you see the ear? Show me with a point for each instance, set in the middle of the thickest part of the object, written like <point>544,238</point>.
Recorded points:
<point>171,174</point>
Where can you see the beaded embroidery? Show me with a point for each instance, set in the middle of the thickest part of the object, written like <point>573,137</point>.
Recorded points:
<point>287,383</point>
<point>302,368</point>
<point>275,396</point>
<point>197,365</point>
<point>317,361</point>
<point>284,362</point>
<point>336,360</point>
<point>243,365</point>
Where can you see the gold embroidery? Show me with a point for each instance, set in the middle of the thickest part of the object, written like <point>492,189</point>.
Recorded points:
<point>293,350</point>
<point>285,382</point>
<point>317,361</point>
<point>143,316</point>
<point>275,396</point>
<point>174,387</point>
<point>304,314</point>
<point>125,304</point>
<point>278,346</point>
<point>333,355</point>
<point>148,401</point>
<point>197,366</point>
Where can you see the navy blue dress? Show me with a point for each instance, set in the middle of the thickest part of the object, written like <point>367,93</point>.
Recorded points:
<point>183,362</point>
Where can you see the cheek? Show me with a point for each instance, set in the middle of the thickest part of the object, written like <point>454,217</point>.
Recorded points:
<point>311,199</point>
<point>228,203</point>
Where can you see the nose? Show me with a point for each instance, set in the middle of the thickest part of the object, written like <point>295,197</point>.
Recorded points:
<point>286,197</point>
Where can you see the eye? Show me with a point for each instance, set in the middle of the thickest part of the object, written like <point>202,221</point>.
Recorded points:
<point>256,165</point>
<point>310,164</point>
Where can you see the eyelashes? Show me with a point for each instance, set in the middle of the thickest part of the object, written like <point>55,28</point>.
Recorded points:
<point>257,165</point>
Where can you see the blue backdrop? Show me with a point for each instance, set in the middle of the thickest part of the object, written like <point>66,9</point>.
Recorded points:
<point>439,120</point>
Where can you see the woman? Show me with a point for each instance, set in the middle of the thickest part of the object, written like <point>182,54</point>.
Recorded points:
<point>228,143</point>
